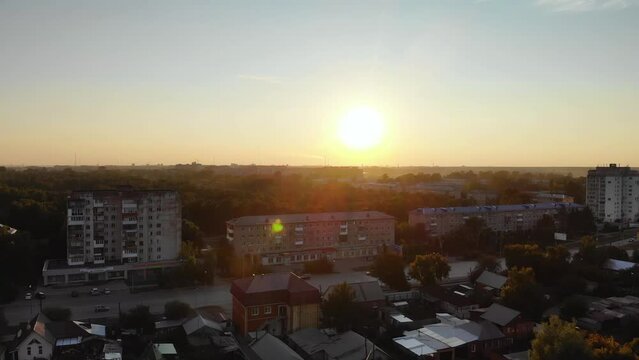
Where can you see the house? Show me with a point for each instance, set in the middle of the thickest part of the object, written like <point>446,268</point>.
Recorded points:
<point>162,351</point>
<point>490,282</point>
<point>509,321</point>
<point>450,339</point>
<point>279,303</point>
<point>42,338</point>
<point>328,345</point>
<point>368,293</point>
<point>453,302</point>
<point>269,347</point>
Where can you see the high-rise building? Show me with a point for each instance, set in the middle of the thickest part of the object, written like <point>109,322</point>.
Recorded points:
<point>297,238</point>
<point>612,193</point>
<point>123,226</point>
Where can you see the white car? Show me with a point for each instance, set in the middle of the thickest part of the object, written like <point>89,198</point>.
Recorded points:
<point>27,296</point>
<point>95,292</point>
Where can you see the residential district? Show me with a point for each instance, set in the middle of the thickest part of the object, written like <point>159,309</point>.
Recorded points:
<point>334,285</point>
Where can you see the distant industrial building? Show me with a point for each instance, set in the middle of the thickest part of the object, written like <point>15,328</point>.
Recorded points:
<point>298,238</point>
<point>502,218</point>
<point>110,232</point>
<point>612,193</point>
<point>548,197</point>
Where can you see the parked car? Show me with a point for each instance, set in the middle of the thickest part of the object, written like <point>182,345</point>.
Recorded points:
<point>27,296</point>
<point>106,291</point>
<point>95,292</point>
<point>74,293</point>
<point>101,308</point>
<point>40,295</point>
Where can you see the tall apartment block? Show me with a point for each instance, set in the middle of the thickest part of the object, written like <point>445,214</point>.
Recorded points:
<point>502,218</point>
<point>123,226</point>
<point>297,238</point>
<point>612,193</point>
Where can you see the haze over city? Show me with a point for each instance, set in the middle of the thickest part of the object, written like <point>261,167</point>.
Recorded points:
<point>477,83</point>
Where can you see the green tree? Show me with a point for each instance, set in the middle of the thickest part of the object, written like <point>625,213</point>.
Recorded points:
<point>139,318</point>
<point>573,308</point>
<point>389,268</point>
<point>57,313</point>
<point>523,255</point>
<point>522,292</point>
<point>559,340</point>
<point>339,309</point>
<point>176,310</point>
<point>485,263</point>
<point>191,232</point>
<point>429,268</point>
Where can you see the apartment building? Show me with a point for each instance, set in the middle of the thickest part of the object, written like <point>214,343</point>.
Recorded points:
<point>297,238</point>
<point>440,221</point>
<point>108,231</point>
<point>612,193</point>
<point>278,303</point>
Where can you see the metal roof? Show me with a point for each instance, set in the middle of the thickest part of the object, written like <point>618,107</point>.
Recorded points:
<point>491,279</point>
<point>269,347</point>
<point>618,265</point>
<point>499,314</point>
<point>364,291</point>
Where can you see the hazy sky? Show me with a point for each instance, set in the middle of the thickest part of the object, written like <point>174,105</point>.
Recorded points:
<point>458,82</point>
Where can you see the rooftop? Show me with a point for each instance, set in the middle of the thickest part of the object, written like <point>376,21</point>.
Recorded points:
<point>346,346</point>
<point>364,291</point>
<point>499,314</point>
<point>618,265</point>
<point>498,208</point>
<point>269,347</point>
<point>310,217</point>
<point>491,279</point>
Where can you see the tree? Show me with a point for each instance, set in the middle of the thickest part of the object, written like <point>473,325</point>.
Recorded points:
<point>339,308</point>
<point>320,266</point>
<point>191,232</point>
<point>485,263</point>
<point>429,268</point>
<point>139,318</point>
<point>57,313</point>
<point>522,292</point>
<point>176,310</point>
<point>607,348</point>
<point>573,308</point>
<point>389,268</point>
<point>523,255</point>
<point>559,340</point>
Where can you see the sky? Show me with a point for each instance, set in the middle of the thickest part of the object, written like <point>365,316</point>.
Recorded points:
<point>457,82</point>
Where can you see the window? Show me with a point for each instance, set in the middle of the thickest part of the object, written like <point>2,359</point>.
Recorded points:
<point>255,311</point>
<point>29,350</point>
<point>267,310</point>
<point>40,350</point>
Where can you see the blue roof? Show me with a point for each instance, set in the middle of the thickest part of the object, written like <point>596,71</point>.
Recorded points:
<point>500,208</point>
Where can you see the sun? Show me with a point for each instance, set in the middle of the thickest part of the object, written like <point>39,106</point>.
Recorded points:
<point>361,128</point>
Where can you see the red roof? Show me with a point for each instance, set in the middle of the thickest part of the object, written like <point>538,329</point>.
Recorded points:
<point>272,288</point>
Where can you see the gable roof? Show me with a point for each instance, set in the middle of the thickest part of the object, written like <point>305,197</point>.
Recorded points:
<point>499,314</point>
<point>198,322</point>
<point>491,279</point>
<point>346,346</point>
<point>271,288</point>
<point>269,347</point>
<point>364,291</point>
<point>37,325</point>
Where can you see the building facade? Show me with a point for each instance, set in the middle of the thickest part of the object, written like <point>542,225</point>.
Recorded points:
<point>502,218</point>
<point>123,226</point>
<point>278,303</point>
<point>297,238</point>
<point>118,234</point>
<point>612,193</point>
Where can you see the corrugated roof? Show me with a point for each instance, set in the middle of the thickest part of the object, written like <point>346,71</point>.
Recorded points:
<point>618,265</point>
<point>269,347</point>
<point>499,314</point>
<point>197,322</point>
<point>491,279</point>
<point>499,208</point>
<point>309,217</point>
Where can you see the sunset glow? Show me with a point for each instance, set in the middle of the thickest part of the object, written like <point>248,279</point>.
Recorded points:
<point>361,128</point>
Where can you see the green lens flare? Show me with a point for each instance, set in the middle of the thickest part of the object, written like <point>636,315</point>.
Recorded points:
<point>277,226</point>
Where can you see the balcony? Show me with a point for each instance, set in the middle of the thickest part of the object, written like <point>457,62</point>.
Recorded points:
<point>77,244</point>
<point>98,244</point>
<point>75,260</point>
<point>98,260</point>
<point>343,229</point>
<point>75,220</point>
<point>299,242</point>
<point>362,237</point>
<point>126,254</point>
